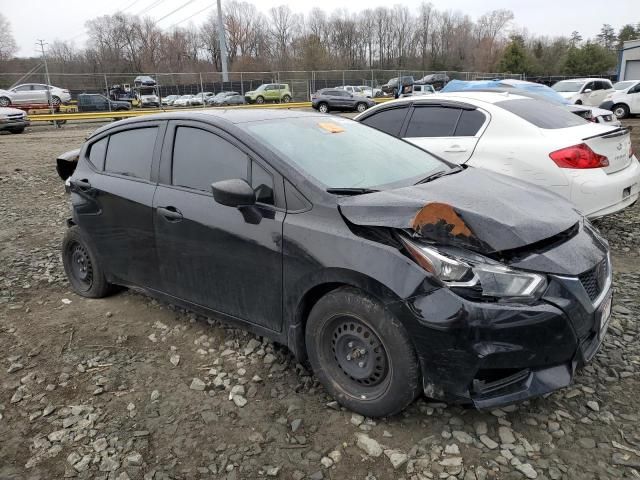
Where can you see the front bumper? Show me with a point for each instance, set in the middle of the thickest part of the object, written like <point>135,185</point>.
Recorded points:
<point>14,124</point>
<point>491,354</point>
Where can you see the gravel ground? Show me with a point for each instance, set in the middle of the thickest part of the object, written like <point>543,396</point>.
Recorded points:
<point>129,388</point>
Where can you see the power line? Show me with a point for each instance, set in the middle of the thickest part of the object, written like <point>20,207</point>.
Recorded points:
<point>152,5</point>
<point>193,15</point>
<point>176,10</point>
<point>120,9</point>
<point>46,69</point>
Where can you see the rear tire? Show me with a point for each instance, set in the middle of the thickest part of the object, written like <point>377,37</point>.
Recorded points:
<point>5,101</point>
<point>17,130</point>
<point>323,107</point>
<point>81,265</point>
<point>621,111</point>
<point>362,354</point>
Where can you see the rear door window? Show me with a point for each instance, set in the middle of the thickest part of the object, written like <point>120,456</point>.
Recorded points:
<point>201,158</point>
<point>130,152</point>
<point>389,120</point>
<point>433,122</point>
<point>541,114</point>
<point>470,123</point>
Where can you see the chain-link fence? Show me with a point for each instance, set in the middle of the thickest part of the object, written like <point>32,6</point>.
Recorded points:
<point>301,83</point>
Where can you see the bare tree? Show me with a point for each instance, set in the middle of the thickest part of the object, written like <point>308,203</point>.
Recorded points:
<point>8,45</point>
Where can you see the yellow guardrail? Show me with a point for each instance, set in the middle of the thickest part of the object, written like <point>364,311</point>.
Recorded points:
<point>48,117</point>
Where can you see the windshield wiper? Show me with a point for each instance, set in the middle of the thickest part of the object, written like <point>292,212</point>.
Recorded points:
<point>351,191</point>
<point>441,173</point>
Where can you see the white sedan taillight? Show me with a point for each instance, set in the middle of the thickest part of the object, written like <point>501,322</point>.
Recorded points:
<point>579,156</point>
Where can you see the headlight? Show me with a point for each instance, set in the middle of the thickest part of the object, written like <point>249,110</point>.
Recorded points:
<point>473,274</point>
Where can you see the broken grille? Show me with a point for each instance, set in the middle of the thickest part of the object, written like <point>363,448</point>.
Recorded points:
<point>594,280</point>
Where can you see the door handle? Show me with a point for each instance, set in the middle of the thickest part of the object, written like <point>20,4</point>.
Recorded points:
<point>171,214</point>
<point>82,184</point>
<point>455,149</point>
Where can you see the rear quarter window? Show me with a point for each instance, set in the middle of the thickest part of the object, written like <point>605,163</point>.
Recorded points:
<point>541,114</point>
<point>97,153</point>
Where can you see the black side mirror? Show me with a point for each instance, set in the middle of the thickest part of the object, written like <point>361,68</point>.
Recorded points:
<point>233,193</point>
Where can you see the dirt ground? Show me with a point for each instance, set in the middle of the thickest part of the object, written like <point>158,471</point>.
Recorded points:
<point>126,387</point>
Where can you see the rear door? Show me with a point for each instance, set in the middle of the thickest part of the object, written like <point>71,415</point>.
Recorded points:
<point>116,189</point>
<point>449,131</point>
<point>208,254</point>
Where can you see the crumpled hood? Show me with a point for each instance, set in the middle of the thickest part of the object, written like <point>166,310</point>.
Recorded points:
<point>477,209</point>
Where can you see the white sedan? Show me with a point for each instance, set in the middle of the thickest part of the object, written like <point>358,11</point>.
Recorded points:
<point>32,93</point>
<point>590,164</point>
<point>183,101</point>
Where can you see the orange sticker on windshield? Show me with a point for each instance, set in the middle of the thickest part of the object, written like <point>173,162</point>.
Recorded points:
<point>331,127</point>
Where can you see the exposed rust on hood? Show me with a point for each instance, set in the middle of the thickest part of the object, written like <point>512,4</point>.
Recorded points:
<point>441,216</point>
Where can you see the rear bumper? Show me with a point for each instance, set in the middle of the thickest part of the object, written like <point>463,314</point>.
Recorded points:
<point>597,194</point>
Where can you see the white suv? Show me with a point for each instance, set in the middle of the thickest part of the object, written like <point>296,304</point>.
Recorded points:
<point>624,100</point>
<point>29,93</point>
<point>584,91</point>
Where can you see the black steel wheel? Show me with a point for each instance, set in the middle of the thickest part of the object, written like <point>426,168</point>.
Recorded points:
<point>81,265</point>
<point>361,353</point>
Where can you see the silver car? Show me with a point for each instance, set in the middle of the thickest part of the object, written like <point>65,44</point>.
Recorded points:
<point>29,93</point>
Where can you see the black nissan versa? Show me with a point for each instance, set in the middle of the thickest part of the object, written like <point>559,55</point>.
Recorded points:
<point>391,271</point>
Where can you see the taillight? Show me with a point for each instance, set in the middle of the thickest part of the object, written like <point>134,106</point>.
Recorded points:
<point>579,156</point>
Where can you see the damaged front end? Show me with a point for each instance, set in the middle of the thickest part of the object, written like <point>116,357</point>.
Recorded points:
<point>525,284</point>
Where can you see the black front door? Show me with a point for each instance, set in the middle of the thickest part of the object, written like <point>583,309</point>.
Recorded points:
<point>208,254</point>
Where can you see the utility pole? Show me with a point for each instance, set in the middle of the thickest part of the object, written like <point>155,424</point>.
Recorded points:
<point>223,45</point>
<point>46,71</point>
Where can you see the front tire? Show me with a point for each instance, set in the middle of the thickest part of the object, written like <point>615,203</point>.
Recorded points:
<point>55,100</point>
<point>286,99</point>
<point>5,101</point>
<point>361,353</point>
<point>17,130</point>
<point>621,111</point>
<point>323,107</point>
<point>84,272</point>
<point>361,107</point>
<point>260,100</point>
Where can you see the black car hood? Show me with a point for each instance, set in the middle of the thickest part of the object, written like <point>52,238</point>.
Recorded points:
<point>477,209</point>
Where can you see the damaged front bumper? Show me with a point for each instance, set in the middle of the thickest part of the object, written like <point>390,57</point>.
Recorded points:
<point>494,354</point>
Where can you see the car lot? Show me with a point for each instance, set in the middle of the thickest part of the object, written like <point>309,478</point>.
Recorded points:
<point>136,386</point>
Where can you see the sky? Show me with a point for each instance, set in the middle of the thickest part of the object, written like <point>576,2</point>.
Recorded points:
<point>64,20</point>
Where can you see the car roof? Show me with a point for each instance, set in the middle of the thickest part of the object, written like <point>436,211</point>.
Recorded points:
<point>232,116</point>
<point>469,95</point>
<point>584,79</point>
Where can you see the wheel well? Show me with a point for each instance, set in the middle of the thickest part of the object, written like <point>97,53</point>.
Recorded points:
<point>296,330</point>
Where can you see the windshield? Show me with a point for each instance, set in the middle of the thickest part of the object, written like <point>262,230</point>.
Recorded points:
<point>568,86</point>
<point>623,85</point>
<point>341,153</point>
